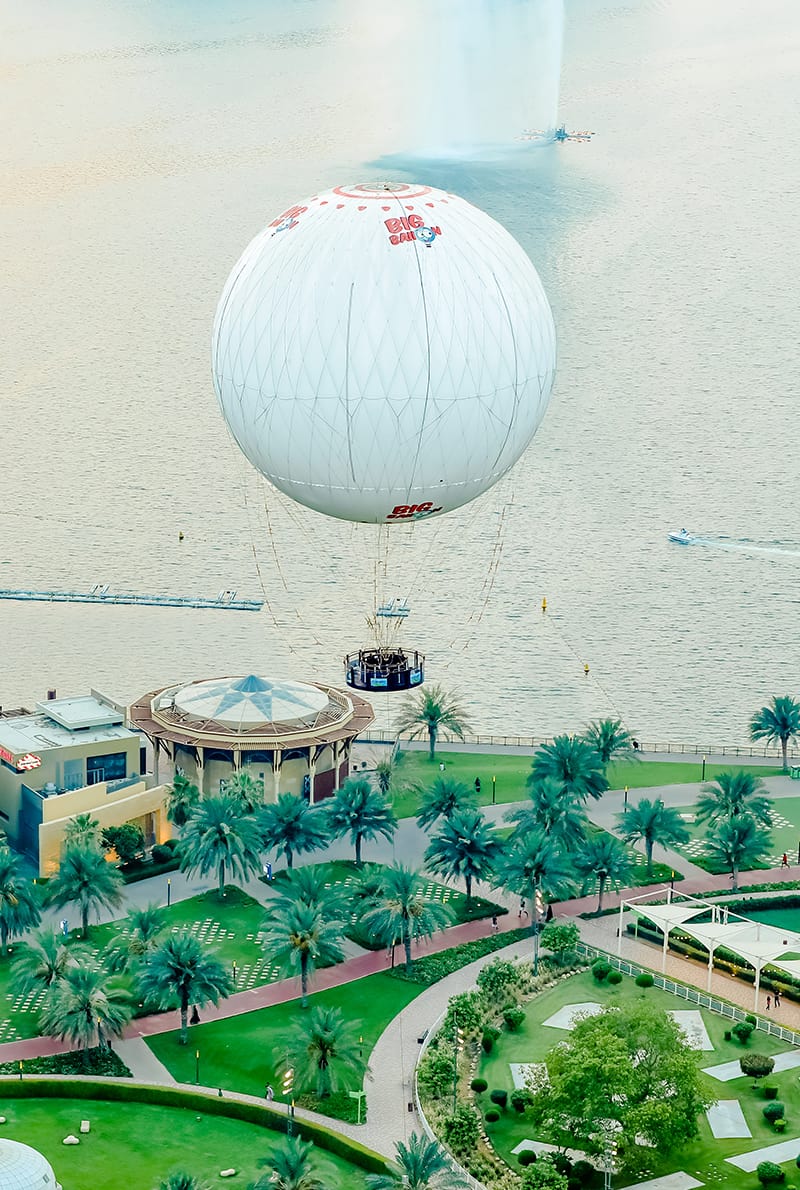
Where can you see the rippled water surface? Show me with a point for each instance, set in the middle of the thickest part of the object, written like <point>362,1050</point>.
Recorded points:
<point>145,143</point>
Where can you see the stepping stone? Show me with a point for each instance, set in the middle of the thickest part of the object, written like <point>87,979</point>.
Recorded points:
<point>521,1070</point>
<point>726,1120</point>
<point>671,1181</point>
<point>777,1153</point>
<point>565,1018</point>
<point>727,1071</point>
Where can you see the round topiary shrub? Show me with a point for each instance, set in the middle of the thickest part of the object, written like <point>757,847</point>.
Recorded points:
<point>770,1092</point>
<point>489,1037</point>
<point>584,1171</point>
<point>526,1157</point>
<point>479,1085</point>
<point>644,980</point>
<point>513,1018</point>
<point>743,1031</point>
<point>773,1111</point>
<point>751,1020</point>
<point>562,1163</point>
<point>728,1035</point>
<point>499,1097</point>
<point>161,854</point>
<point>519,1101</point>
<point>779,1125</point>
<point>615,977</point>
<point>600,969</point>
<point>492,1116</point>
<point>768,1173</point>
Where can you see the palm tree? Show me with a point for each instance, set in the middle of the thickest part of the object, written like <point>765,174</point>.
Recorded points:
<point>19,907</point>
<point>610,740</point>
<point>86,1007</point>
<point>733,794</point>
<point>291,1167</point>
<point>738,843</point>
<point>442,799</point>
<point>43,960</point>
<point>780,720</point>
<point>181,1181</point>
<point>360,811</point>
<point>601,859</point>
<point>574,764</point>
<point>434,711</point>
<point>312,886</point>
<point>466,847</point>
<point>402,912</point>
<point>384,775</point>
<point>423,1165</point>
<point>180,969</point>
<point>652,822</point>
<point>246,790</point>
<point>82,829</point>
<point>139,938</point>
<point>291,826</point>
<point>324,1052</point>
<point>534,867</point>
<point>182,799</point>
<point>555,812</point>
<point>218,837</point>
<point>86,878</point>
<point>300,937</point>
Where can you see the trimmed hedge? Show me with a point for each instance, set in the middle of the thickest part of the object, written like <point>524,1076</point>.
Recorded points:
<point>492,1116</point>
<point>431,968</point>
<point>196,1101</point>
<point>98,1062</point>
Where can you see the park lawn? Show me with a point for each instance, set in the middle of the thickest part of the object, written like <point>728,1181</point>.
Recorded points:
<point>785,836</point>
<point>704,1157</point>
<point>511,772</point>
<point>246,1052</point>
<point>135,1145</point>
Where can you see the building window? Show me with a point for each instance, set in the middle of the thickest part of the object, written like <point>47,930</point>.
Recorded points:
<point>106,768</point>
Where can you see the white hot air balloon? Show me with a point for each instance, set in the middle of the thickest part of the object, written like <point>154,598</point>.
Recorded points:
<point>383,352</point>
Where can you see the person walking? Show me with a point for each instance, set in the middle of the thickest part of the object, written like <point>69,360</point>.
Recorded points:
<point>269,1094</point>
<point>777,1000</point>
<point>523,912</point>
<point>495,926</point>
<point>785,861</point>
<point>769,1001</point>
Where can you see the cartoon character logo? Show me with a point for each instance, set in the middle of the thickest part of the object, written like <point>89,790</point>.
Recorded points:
<point>409,228</point>
<point>426,234</point>
<point>284,225</point>
<point>287,220</point>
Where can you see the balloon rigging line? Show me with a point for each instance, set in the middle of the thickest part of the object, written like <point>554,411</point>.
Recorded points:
<point>553,627</point>
<point>256,561</point>
<point>309,632</point>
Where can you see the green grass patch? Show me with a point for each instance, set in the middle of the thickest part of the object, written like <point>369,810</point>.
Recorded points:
<point>244,1053</point>
<point>785,834</point>
<point>138,1144</point>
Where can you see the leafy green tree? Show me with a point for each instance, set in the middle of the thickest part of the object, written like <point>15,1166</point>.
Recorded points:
<point>292,1167</point>
<point>610,740</point>
<point>602,859</point>
<point>85,878</point>
<point>19,905</point>
<point>534,867</point>
<point>402,912</point>
<point>628,1066</point>
<point>219,838</point>
<point>561,939</point>
<point>574,764</point>
<point>442,799</point>
<point>126,840</point>
<point>733,794</point>
<point>433,711</point>
<point>181,969</point>
<point>543,1175</point>
<point>779,720</point>
<point>291,826</point>
<point>422,1164</point>
<point>738,844</point>
<point>182,1181</point>
<point>324,1052</point>
<point>497,981</point>
<point>756,1066</point>
<point>42,960</point>
<point>553,810</point>
<point>86,1007</point>
<point>652,822</point>
<point>299,937</point>
<point>246,791</point>
<point>361,812</point>
<point>82,829</point>
<point>132,947</point>
<point>183,797</point>
<point>466,848</point>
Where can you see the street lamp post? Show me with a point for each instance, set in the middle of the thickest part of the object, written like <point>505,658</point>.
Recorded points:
<point>169,892</point>
<point>494,791</point>
<point>288,1088</point>
<point>703,770</point>
<point>537,906</point>
<point>625,802</point>
<point>234,974</point>
<point>457,1038</point>
<point>197,1067</point>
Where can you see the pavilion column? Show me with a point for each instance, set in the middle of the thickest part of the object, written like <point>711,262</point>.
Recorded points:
<point>756,988</point>
<point>711,950</point>
<point>619,929</point>
<point>237,760</point>
<point>155,760</point>
<point>312,772</point>
<point>201,767</point>
<point>335,747</point>
<point>277,756</point>
<point>664,951</point>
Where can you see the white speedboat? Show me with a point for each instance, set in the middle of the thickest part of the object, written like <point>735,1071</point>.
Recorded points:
<point>681,537</point>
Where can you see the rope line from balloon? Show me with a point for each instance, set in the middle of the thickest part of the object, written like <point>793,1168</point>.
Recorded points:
<point>555,628</point>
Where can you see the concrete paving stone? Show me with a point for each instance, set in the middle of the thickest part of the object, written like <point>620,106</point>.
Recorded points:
<point>726,1120</point>
<point>567,1016</point>
<point>670,1181</point>
<point>777,1153</point>
<point>693,1027</point>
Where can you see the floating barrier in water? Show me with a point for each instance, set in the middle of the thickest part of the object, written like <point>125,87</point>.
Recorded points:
<point>225,601</point>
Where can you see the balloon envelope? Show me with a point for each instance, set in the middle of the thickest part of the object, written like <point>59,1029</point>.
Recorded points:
<point>383,353</point>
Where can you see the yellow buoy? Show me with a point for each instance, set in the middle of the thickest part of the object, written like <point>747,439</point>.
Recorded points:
<point>180,536</point>
<point>586,669</point>
<point>544,604</point>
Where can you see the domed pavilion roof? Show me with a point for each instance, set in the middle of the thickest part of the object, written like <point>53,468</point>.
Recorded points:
<point>23,1168</point>
<point>243,703</point>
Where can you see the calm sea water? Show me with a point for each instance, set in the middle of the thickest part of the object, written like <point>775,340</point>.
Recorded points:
<point>145,143</point>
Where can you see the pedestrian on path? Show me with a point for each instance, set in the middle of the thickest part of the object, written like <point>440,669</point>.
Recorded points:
<point>495,926</point>
<point>523,912</point>
<point>777,1000</point>
<point>785,861</point>
<point>769,1001</point>
<point>269,1094</point>
<point>549,915</point>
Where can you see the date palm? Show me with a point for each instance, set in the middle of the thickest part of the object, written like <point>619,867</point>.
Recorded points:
<point>219,838</point>
<point>779,720</point>
<point>574,764</point>
<point>602,859</point>
<point>534,867</point>
<point>82,829</point>
<point>181,969</point>
<point>291,826</point>
<point>361,812</point>
<point>299,937</point>
<point>19,904</point>
<point>465,848</point>
<point>422,1165</point>
<point>402,911</point>
<point>324,1052</point>
<point>246,790</point>
<point>138,939</point>
<point>311,885</point>
<point>556,813</point>
<point>733,794</point>
<point>42,960</point>
<point>384,774</point>
<point>738,844</point>
<point>87,879</point>
<point>610,740</point>
<point>182,1181</point>
<point>432,711</point>
<point>183,797</point>
<point>292,1167</point>
<point>86,1007</point>
<point>442,799</point>
<point>652,822</point>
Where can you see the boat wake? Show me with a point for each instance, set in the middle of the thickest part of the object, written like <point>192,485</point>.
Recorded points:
<point>745,545</point>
